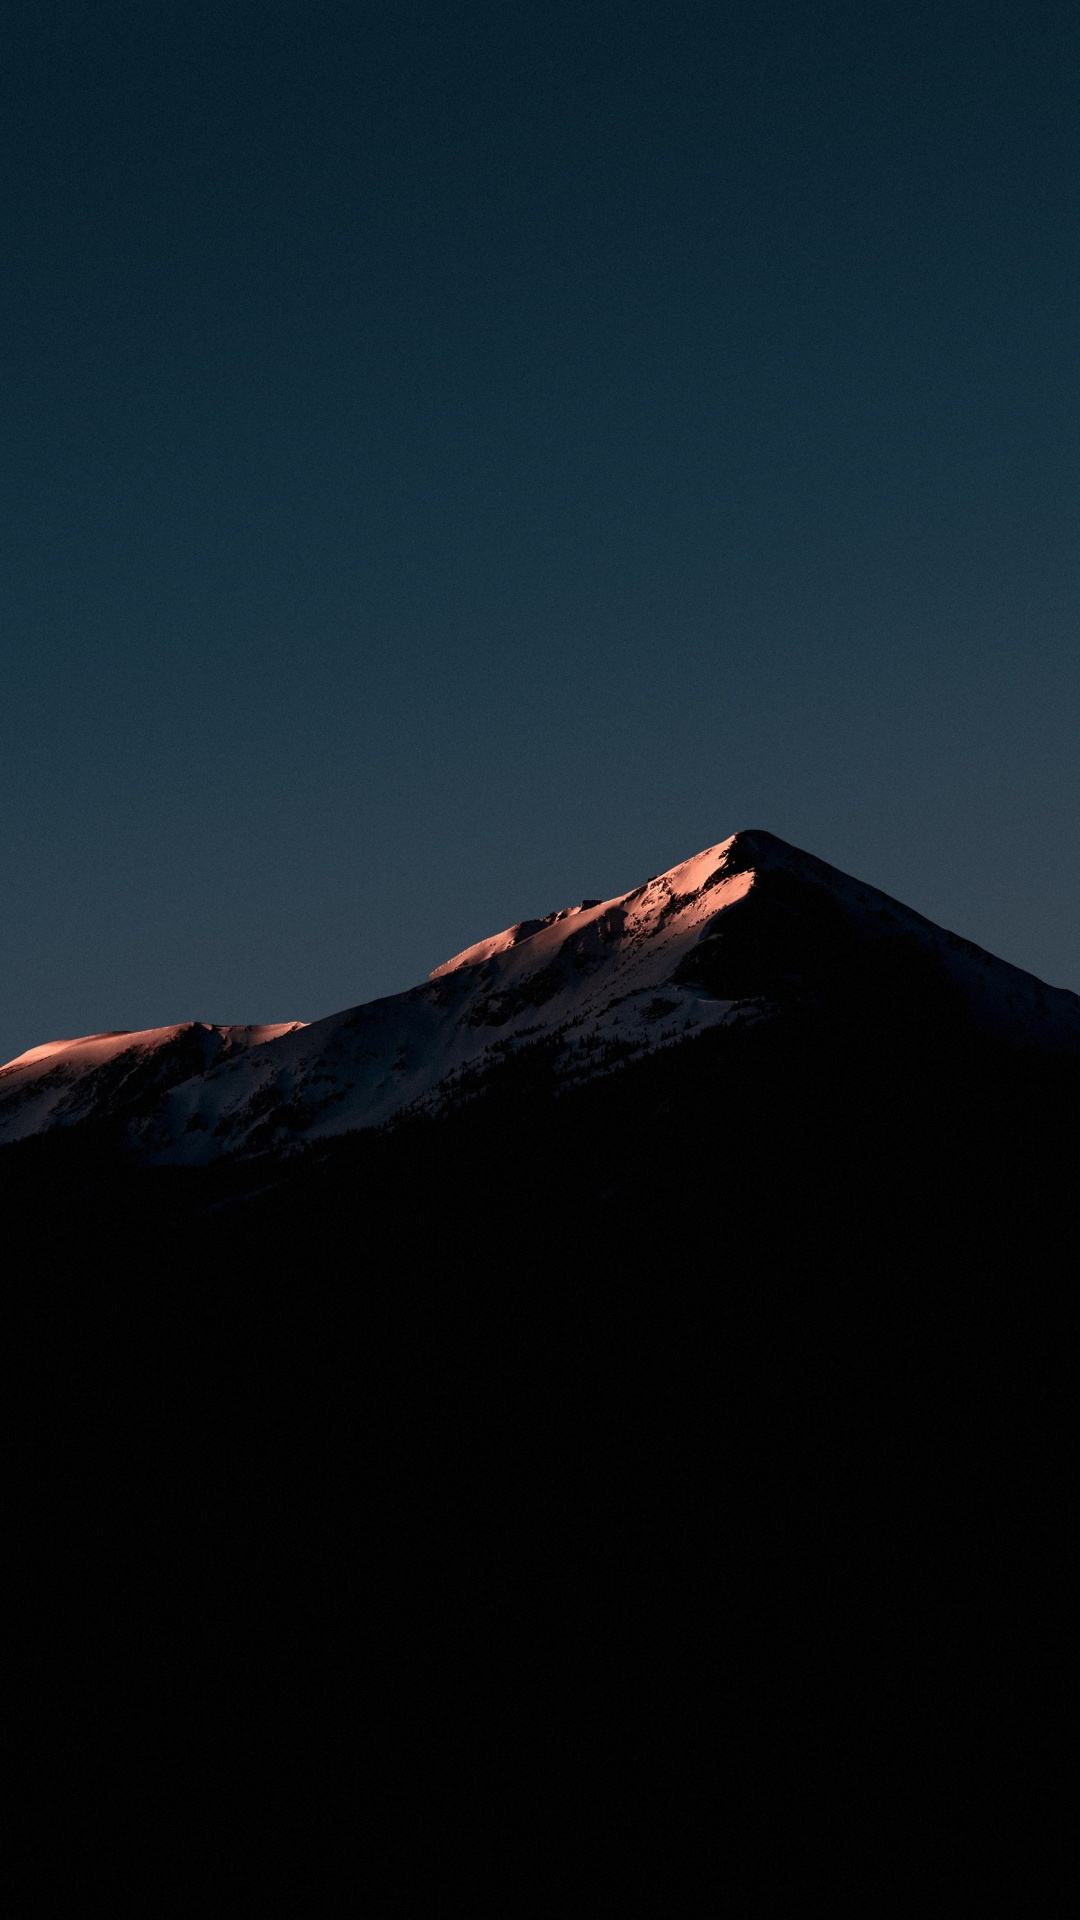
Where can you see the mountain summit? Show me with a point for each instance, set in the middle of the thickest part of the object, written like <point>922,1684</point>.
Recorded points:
<point>741,932</point>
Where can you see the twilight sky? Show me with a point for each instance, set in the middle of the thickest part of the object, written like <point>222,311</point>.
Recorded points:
<point>457,458</point>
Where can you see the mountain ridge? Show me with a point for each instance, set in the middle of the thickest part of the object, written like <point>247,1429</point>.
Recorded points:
<point>746,926</point>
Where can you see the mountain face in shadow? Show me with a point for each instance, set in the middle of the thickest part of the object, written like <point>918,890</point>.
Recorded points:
<point>646,1444</point>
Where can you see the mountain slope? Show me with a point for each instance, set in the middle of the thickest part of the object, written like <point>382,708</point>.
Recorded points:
<point>735,934</point>
<point>113,1075</point>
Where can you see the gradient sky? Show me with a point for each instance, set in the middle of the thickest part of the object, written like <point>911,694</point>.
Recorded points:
<point>459,458</point>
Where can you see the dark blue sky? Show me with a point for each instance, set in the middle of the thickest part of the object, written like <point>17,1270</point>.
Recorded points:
<point>457,458</point>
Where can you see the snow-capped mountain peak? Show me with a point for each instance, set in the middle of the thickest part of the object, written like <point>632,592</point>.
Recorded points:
<point>638,915</point>
<point>739,930</point>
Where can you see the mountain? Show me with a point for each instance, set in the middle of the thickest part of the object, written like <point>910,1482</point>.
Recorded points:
<point>645,1461</point>
<point>734,935</point>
